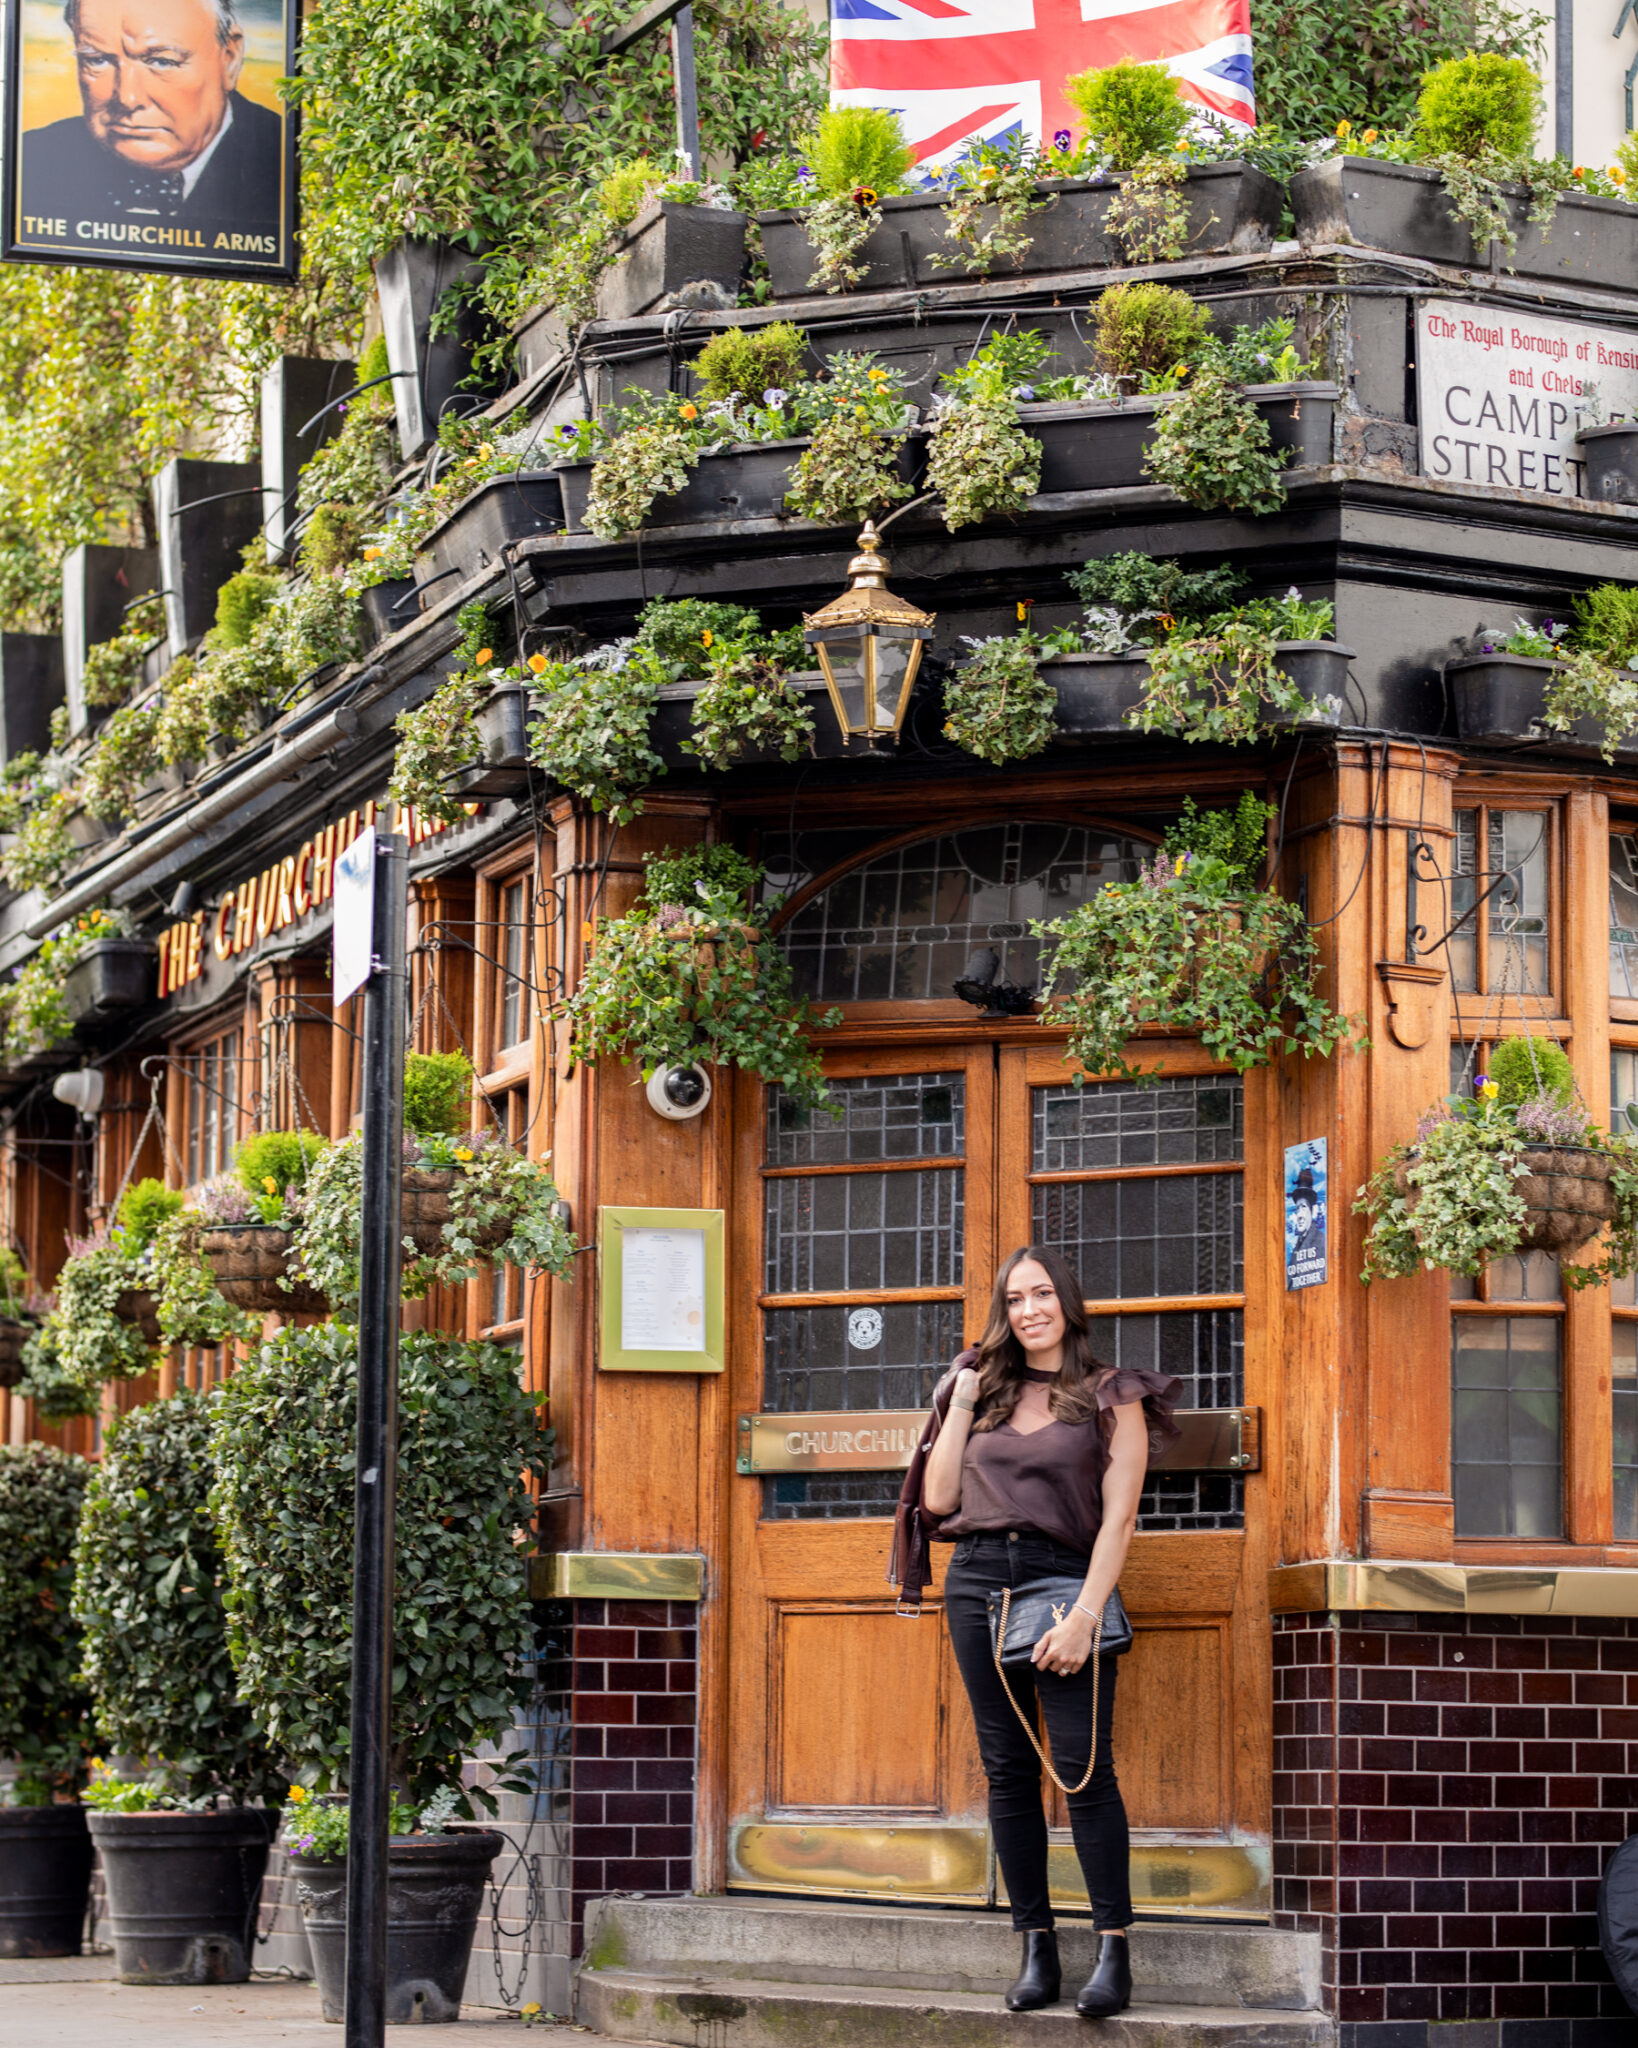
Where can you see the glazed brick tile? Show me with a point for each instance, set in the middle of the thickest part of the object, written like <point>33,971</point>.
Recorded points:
<point>636,1677</point>
<point>608,1642</point>
<point>663,1643</point>
<point>637,1874</point>
<point>636,1742</point>
<point>1412,2001</point>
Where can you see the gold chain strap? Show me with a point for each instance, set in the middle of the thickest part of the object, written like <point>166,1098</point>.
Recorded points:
<point>1092,1758</point>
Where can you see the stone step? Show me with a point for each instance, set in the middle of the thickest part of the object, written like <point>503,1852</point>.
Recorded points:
<point>788,1941</point>
<point>740,2012</point>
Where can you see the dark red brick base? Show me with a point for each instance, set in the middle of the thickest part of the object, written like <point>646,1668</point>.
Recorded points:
<point>1447,1791</point>
<point>629,1698</point>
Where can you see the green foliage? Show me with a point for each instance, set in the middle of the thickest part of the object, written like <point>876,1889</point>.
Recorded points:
<point>652,455</point>
<point>838,229</point>
<point>143,1207</point>
<point>148,1596</point>
<point>284,1158</point>
<point>283,1443</point>
<point>1148,218</point>
<point>1222,682</point>
<point>315,623</point>
<point>45,1711</point>
<point>1139,584</point>
<point>749,704</point>
<point>1318,65</point>
<point>1587,686</point>
<point>113,667</point>
<point>1237,838</point>
<point>681,633</point>
<point>980,459</point>
<point>241,605</point>
<point>42,849</point>
<point>437,1093</point>
<point>1213,447</point>
<point>1185,948</point>
<point>684,979</point>
<point>1477,105</point>
<point>1131,111</point>
<point>993,195</point>
<point>331,537</point>
<point>33,1014</point>
<point>997,704</point>
<point>860,148</point>
<point>1606,622</point>
<point>849,472</point>
<point>697,873</point>
<point>1145,327</point>
<point>742,362</point>
<point>592,736</point>
<point>1523,1068</point>
<point>319,1831</point>
<point>123,760</point>
<point>16,1289</point>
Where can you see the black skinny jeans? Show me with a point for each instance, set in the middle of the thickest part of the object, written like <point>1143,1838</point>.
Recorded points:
<point>1097,1815</point>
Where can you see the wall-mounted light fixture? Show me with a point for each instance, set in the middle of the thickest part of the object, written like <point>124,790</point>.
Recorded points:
<point>869,644</point>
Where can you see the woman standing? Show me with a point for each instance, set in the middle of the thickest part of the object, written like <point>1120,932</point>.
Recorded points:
<point>1034,1461</point>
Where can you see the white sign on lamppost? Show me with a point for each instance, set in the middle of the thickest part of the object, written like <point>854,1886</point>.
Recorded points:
<point>1501,395</point>
<point>352,935</point>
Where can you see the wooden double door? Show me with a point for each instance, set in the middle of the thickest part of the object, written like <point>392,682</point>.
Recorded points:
<point>867,1264</point>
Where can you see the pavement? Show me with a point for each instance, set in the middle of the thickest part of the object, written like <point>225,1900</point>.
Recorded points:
<point>74,2002</point>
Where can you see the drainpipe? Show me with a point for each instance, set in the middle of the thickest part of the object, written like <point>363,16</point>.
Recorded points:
<point>1564,78</point>
<point>278,766</point>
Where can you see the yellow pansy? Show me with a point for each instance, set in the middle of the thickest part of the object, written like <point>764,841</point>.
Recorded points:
<point>1369,135</point>
<point>537,662</point>
<point>464,1153</point>
<point>1344,130</point>
<point>706,637</point>
<point>270,1184</point>
<point>372,554</point>
<point>298,1795</point>
<point>1489,1091</point>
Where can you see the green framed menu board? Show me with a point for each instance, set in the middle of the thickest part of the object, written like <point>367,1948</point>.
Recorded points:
<point>660,1290</point>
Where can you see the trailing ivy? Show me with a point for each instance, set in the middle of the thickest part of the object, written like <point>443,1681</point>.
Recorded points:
<point>592,736</point>
<point>997,704</point>
<point>1213,447</point>
<point>148,1597</point>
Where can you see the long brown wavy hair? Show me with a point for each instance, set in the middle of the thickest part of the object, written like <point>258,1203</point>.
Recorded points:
<point>1002,1359</point>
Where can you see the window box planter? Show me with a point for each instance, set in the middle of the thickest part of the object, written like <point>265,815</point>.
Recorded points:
<point>435,1887</point>
<point>1611,456</point>
<point>248,1261</point>
<point>672,723</point>
<point>1404,208</point>
<point>1233,210</point>
<point>184,1890</point>
<point>502,766</point>
<point>14,1334</point>
<point>110,976</point>
<point>45,1880</point>
<point>666,249</point>
<point>1319,668</point>
<point>1100,447</point>
<point>1095,692</point>
<point>387,607</point>
<point>1499,696</point>
<point>748,481</point>
<point>507,508</point>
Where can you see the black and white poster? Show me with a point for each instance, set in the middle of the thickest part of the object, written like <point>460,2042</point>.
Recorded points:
<point>1306,1263</point>
<point>149,135</point>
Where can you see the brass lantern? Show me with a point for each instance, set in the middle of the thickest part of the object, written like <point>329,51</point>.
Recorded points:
<point>869,644</point>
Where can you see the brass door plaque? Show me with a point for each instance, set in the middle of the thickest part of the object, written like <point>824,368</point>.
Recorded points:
<point>882,1440</point>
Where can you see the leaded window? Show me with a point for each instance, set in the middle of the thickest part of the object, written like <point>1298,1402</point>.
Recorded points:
<point>1502,944</point>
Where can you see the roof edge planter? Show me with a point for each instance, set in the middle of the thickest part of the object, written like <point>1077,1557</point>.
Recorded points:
<point>183,1892</point>
<point>110,976</point>
<point>503,510</point>
<point>45,1880</point>
<point>1611,455</point>
<point>749,480</point>
<point>501,727</point>
<point>1099,447</point>
<point>1372,204</point>
<point>667,248</point>
<point>427,369</point>
<point>388,607</point>
<point>435,1888</point>
<point>1233,209</point>
<point>1096,693</point>
<point>1499,697</point>
<point>1318,669</point>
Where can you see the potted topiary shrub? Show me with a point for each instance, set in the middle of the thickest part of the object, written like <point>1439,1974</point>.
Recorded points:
<point>686,978</point>
<point>1195,946</point>
<point>183,1847</point>
<point>247,1221</point>
<point>470,1442</point>
<point>45,1711</point>
<point>1512,1165</point>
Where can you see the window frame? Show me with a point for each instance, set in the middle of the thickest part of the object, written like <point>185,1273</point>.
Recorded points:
<point>1549,1004</point>
<point>509,1079</point>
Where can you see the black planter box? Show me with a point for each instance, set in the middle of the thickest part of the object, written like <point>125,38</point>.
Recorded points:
<point>673,722</point>
<point>1088,447</point>
<point>1405,208</point>
<point>1499,696</point>
<point>502,766</point>
<point>388,607</point>
<point>99,585</point>
<point>668,248</point>
<point>114,975</point>
<point>1095,692</point>
<point>1233,210</point>
<point>208,514</point>
<point>747,482</point>
<point>411,280</point>
<point>1319,668</point>
<point>297,392</point>
<point>507,508</point>
<point>31,688</point>
<point>1611,456</point>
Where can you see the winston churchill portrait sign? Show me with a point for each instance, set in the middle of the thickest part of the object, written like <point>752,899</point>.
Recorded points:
<point>148,134</point>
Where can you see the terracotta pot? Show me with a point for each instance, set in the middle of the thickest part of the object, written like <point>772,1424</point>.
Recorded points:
<point>248,1261</point>
<point>1567,1194</point>
<point>13,1336</point>
<point>426,1212</point>
<point>137,1305</point>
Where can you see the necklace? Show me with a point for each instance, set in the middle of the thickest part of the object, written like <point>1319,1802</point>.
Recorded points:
<point>1040,1379</point>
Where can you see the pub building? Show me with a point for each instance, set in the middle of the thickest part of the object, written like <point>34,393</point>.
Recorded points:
<point>1375,1732</point>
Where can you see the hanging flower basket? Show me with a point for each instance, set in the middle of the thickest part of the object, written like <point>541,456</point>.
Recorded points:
<point>136,1305</point>
<point>249,1262</point>
<point>1566,1189</point>
<point>14,1334</point>
<point>427,1211</point>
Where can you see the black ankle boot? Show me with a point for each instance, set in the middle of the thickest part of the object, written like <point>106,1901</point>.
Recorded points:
<point>1039,1978</point>
<point>1109,1988</point>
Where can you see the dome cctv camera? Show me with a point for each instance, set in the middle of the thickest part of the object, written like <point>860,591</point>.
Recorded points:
<point>679,1093</point>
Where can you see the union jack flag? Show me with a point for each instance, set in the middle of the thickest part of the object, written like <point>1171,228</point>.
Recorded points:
<point>960,71</point>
